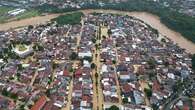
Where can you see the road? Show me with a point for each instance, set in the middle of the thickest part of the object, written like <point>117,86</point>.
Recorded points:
<point>177,95</point>
<point>98,64</point>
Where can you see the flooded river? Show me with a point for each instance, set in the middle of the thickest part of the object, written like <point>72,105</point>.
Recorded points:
<point>148,18</point>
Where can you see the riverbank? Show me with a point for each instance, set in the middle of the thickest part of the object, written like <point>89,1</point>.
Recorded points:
<point>152,20</point>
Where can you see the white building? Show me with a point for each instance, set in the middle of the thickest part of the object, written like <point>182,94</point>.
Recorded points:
<point>24,53</point>
<point>16,12</point>
<point>84,54</point>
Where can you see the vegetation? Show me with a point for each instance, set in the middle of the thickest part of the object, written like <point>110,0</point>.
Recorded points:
<point>28,14</point>
<point>71,19</point>
<point>125,100</point>
<point>47,8</point>
<point>3,12</point>
<point>89,59</point>
<point>114,62</point>
<point>93,66</point>
<point>177,86</point>
<point>193,62</point>
<point>38,47</point>
<point>94,40</point>
<point>173,19</point>
<point>71,70</point>
<point>21,47</point>
<point>151,63</point>
<point>4,17</point>
<point>7,53</point>
<point>113,107</point>
<point>19,66</point>
<point>4,9</point>
<point>155,107</point>
<point>148,92</point>
<point>73,56</point>
<point>8,94</point>
<point>109,32</point>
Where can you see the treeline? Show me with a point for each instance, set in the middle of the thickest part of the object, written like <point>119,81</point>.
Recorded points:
<point>47,8</point>
<point>174,20</point>
<point>193,62</point>
<point>72,19</point>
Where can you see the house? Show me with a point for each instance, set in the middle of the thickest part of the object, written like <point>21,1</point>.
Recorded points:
<point>40,103</point>
<point>84,54</point>
<point>138,97</point>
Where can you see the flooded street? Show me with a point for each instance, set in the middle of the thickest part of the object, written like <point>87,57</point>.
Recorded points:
<point>152,20</point>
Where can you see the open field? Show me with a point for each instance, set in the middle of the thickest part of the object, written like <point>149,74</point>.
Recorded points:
<point>4,17</point>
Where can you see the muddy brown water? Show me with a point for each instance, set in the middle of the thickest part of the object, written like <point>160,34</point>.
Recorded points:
<point>152,20</point>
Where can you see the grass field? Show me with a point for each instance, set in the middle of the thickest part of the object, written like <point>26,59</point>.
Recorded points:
<point>4,10</point>
<point>5,18</point>
<point>27,14</point>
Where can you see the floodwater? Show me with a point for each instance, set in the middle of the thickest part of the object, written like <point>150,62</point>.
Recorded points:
<point>152,20</point>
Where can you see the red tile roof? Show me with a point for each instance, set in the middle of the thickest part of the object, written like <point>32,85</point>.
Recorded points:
<point>66,73</point>
<point>186,107</point>
<point>127,88</point>
<point>156,86</point>
<point>40,103</point>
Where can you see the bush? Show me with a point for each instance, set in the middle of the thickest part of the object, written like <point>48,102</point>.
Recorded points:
<point>125,100</point>
<point>73,56</point>
<point>148,92</point>
<point>113,107</point>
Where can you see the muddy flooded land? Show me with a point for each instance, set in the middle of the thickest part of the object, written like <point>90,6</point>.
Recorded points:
<point>152,20</point>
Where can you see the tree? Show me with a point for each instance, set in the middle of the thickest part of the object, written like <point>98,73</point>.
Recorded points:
<point>94,40</point>
<point>96,75</point>
<point>148,92</point>
<point>125,100</point>
<point>72,19</point>
<point>71,70</point>
<point>38,47</point>
<point>14,96</point>
<point>114,62</point>
<point>151,75</point>
<point>5,93</point>
<point>177,86</point>
<point>104,37</point>
<point>151,63</point>
<point>18,76</point>
<point>96,46</point>
<point>20,67</point>
<point>48,92</point>
<point>93,66</point>
<point>73,56</point>
<point>155,107</point>
<point>55,65</point>
<point>30,27</point>
<point>163,40</point>
<point>89,59</point>
<point>113,107</point>
<point>109,32</point>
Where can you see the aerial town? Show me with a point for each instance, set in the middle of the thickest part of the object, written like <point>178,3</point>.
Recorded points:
<point>103,62</point>
<point>182,6</point>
